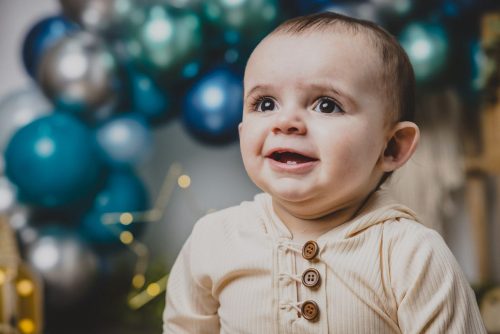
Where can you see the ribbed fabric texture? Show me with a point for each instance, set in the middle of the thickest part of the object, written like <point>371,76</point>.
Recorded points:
<point>382,272</point>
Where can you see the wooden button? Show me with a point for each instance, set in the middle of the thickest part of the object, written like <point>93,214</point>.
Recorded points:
<point>310,250</point>
<point>311,278</point>
<point>310,310</point>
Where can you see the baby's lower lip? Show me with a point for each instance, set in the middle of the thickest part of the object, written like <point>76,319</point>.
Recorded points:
<point>290,167</point>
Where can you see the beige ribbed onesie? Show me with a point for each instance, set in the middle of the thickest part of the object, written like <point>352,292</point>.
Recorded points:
<point>381,272</point>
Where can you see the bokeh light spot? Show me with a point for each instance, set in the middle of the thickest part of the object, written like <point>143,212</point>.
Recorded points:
<point>126,237</point>
<point>138,281</point>
<point>126,218</point>
<point>153,289</point>
<point>24,287</point>
<point>26,326</point>
<point>184,181</point>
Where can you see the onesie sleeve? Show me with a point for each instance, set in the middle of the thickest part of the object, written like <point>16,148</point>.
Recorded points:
<point>190,306</point>
<point>431,291</point>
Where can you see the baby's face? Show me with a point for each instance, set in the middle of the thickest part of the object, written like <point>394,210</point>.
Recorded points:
<point>313,128</point>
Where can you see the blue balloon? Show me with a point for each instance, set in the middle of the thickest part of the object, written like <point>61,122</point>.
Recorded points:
<point>124,140</point>
<point>212,107</point>
<point>147,98</point>
<point>123,192</point>
<point>52,161</point>
<point>42,36</point>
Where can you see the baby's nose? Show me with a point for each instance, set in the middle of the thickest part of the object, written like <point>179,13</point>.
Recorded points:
<point>289,123</point>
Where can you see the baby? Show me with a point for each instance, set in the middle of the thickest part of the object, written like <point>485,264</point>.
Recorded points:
<point>328,104</point>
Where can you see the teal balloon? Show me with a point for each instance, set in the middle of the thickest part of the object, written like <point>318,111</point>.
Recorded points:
<point>52,161</point>
<point>427,47</point>
<point>242,20</point>
<point>122,192</point>
<point>148,98</point>
<point>166,41</point>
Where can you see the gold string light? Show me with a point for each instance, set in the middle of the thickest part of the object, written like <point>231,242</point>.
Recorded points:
<point>174,176</point>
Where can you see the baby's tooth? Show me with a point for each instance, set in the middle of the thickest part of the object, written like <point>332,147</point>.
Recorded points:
<point>291,162</point>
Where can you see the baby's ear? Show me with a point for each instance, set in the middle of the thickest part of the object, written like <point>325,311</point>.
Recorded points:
<point>400,146</point>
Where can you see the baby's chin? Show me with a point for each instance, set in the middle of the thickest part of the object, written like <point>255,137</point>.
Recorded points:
<point>290,194</point>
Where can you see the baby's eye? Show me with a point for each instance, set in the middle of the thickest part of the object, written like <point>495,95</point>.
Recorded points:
<point>265,104</point>
<point>327,105</point>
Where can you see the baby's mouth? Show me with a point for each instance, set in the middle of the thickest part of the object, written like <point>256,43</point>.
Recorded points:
<point>291,158</point>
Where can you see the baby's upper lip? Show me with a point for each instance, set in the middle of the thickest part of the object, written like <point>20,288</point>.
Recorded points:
<point>305,153</point>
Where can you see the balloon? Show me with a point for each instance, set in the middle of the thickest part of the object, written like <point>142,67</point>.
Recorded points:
<point>393,7</point>
<point>213,106</point>
<point>79,73</point>
<point>123,192</point>
<point>66,263</point>
<point>124,140</point>
<point>148,98</point>
<point>20,108</point>
<point>364,11</point>
<point>101,16</point>
<point>310,6</point>
<point>166,41</point>
<point>41,37</point>
<point>19,221</point>
<point>240,20</point>
<point>427,47</point>
<point>8,194</point>
<point>52,161</point>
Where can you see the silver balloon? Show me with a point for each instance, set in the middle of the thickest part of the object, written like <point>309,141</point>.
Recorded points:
<point>8,195</point>
<point>79,73</point>
<point>124,140</point>
<point>17,110</point>
<point>67,265</point>
<point>100,16</point>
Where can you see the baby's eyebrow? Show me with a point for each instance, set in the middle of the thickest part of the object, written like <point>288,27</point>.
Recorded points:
<point>257,88</point>
<point>338,92</point>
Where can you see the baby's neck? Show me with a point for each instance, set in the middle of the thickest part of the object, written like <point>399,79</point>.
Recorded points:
<point>304,229</point>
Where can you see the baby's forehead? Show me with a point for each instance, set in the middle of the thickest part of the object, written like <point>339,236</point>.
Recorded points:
<point>322,40</point>
<point>316,53</point>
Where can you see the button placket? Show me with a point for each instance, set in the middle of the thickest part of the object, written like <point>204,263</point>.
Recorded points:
<point>311,281</point>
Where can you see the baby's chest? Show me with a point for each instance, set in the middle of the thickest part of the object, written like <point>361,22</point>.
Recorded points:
<point>285,293</point>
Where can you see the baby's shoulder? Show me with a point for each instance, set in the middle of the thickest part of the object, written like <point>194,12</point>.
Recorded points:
<point>244,216</point>
<point>411,234</point>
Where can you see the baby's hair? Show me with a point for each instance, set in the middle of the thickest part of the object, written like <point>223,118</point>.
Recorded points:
<point>398,79</point>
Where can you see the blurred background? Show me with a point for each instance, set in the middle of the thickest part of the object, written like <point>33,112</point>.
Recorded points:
<point>118,130</point>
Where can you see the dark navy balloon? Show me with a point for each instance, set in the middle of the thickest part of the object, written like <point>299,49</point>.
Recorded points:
<point>52,161</point>
<point>213,106</point>
<point>123,192</point>
<point>310,6</point>
<point>41,36</point>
